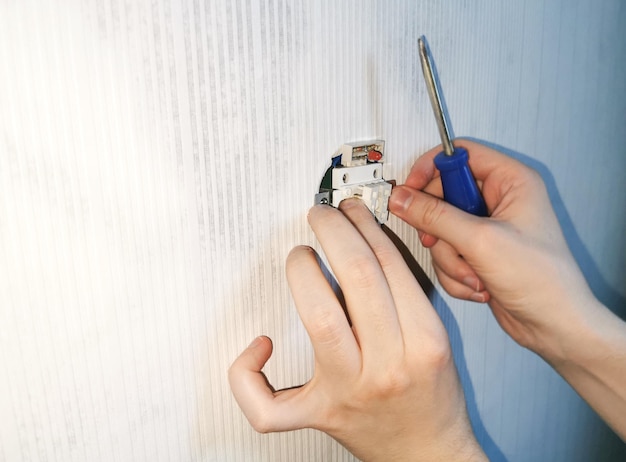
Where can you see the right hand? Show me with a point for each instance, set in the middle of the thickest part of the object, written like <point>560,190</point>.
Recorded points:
<point>517,259</point>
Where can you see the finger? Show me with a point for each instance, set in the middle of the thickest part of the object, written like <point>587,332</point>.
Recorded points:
<point>424,176</point>
<point>455,266</point>
<point>367,294</point>
<point>435,217</point>
<point>336,349</point>
<point>427,240</point>
<point>484,162</point>
<point>266,410</point>
<point>414,310</point>
<point>458,290</point>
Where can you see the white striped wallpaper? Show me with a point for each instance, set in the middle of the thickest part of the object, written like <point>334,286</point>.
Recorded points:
<point>157,160</point>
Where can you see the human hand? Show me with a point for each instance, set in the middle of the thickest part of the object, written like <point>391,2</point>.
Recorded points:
<point>517,259</point>
<point>386,386</point>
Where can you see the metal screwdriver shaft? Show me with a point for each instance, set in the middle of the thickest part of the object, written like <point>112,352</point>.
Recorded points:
<point>435,99</point>
<point>459,186</point>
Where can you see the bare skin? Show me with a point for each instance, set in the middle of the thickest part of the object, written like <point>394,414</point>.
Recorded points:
<point>386,386</point>
<point>519,262</point>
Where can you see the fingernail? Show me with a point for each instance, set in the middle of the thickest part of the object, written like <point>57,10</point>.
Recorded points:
<point>478,297</point>
<point>256,342</point>
<point>400,199</point>
<point>472,283</point>
<point>349,203</point>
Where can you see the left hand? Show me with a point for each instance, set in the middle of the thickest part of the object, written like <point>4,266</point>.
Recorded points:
<point>385,387</point>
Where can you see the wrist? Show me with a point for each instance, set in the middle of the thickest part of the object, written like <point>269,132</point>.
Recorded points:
<point>601,338</point>
<point>560,314</point>
<point>579,337</point>
<point>457,444</point>
<point>464,449</point>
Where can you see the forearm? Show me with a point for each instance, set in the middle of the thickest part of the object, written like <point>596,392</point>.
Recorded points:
<point>593,361</point>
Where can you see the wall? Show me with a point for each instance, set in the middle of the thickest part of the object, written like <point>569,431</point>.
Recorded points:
<point>157,160</point>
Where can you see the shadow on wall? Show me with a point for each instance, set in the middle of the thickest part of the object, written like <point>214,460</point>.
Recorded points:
<point>601,289</point>
<point>489,446</point>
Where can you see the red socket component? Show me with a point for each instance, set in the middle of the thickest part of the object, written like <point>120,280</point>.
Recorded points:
<point>374,156</point>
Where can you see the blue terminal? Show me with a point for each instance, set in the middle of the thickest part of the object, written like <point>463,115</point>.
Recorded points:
<point>336,161</point>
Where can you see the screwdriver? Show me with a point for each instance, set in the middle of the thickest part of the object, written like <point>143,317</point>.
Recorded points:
<point>459,186</point>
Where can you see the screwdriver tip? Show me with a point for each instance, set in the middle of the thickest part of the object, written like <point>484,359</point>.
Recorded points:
<point>433,93</point>
<point>421,44</point>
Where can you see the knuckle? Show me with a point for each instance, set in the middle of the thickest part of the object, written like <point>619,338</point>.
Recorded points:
<point>236,370</point>
<point>483,238</point>
<point>385,252</point>
<point>432,210</point>
<point>437,354</point>
<point>529,178</point>
<point>364,271</point>
<point>532,176</point>
<point>325,327</point>
<point>395,381</point>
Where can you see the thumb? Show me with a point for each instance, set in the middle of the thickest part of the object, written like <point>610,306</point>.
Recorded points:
<point>266,409</point>
<point>433,216</point>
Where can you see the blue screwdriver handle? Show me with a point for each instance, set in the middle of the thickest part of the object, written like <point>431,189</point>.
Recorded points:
<point>459,186</point>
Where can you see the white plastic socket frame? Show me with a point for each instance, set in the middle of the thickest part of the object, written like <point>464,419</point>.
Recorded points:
<point>357,171</point>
